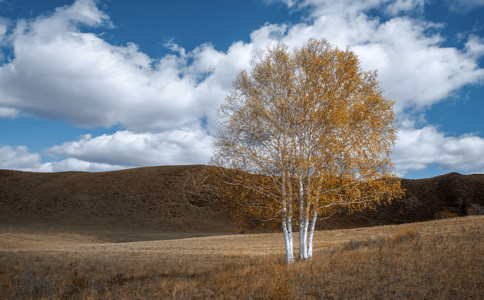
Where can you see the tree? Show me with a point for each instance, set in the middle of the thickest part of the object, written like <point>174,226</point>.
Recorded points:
<point>307,131</point>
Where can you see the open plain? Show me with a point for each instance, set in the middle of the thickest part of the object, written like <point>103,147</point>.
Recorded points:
<point>143,234</point>
<point>436,259</point>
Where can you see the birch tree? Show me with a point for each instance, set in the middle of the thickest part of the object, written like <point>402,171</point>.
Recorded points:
<point>307,131</point>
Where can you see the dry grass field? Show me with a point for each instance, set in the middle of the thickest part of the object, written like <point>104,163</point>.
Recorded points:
<point>149,233</point>
<point>429,260</point>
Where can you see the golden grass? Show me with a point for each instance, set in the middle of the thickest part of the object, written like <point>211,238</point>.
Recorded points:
<point>438,259</point>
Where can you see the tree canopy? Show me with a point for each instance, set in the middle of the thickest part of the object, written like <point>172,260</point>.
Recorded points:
<point>308,131</point>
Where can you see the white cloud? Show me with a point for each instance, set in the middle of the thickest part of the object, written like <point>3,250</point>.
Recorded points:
<point>320,8</point>
<point>70,164</point>
<point>475,47</point>
<point>59,72</point>
<point>463,153</point>
<point>417,148</point>
<point>18,158</point>
<point>394,8</point>
<point>3,28</point>
<point>289,3</point>
<point>123,149</point>
<point>62,73</point>
<point>464,6</point>
<point>129,149</point>
<point>7,112</point>
<point>413,67</point>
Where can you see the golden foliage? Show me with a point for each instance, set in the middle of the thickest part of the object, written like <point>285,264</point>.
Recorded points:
<point>309,132</point>
<point>309,126</point>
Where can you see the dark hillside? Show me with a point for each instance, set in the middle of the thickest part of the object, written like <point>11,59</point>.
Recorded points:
<point>438,197</point>
<point>154,197</point>
<point>164,198</point>
<point>445,195</point>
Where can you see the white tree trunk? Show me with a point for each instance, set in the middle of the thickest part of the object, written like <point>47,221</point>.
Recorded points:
<point>311,233</point>
<point>287,221</point>
<point>303,252</point>
<point>303,222</point>
<point>287,229</point>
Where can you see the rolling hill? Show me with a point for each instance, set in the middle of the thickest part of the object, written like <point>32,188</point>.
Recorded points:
<point>153,197</point>
<point>164,198</point>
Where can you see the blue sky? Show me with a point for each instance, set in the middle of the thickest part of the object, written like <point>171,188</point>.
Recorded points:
<point>104,85</point>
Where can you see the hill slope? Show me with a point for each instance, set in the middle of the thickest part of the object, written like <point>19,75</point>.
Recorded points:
<point>162,198</point>
<point>438,197</point>
<point>450,194</point>
<point>153,197</point>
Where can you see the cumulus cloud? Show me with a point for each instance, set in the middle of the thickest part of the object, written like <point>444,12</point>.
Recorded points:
<point>414,68</point>
<point>70,164</point>
<point>129,149</point>
<point>123,149</point>
<point>18,158</point>
<point>61,72</point>
<point>416,148</point>
<point>475,47</point>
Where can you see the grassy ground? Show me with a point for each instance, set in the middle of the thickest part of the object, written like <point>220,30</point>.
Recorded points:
<point>438,259</point>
